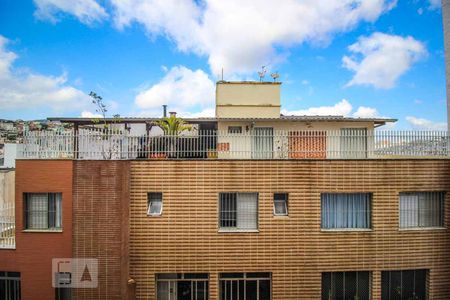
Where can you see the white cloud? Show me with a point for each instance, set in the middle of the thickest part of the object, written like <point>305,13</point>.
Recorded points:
<point>435,4</point>
<point>88,114</point>
<point>181,89</point>
<point>342,108</point>
<point>240,36</point>
<point>23,89</point>
<point>424,124</point>
<point>87,11</point>
<point>384,59</point>
<point>366,112</point>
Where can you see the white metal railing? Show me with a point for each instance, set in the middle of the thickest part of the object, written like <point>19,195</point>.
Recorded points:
<point>7,226</point>
<point>262,144</point>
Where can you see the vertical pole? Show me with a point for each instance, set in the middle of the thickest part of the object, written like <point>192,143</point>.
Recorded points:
<point>446,23</point>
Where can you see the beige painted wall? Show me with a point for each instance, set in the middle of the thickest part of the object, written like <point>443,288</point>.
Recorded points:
<point>7,186</point>
<point>240,145</point>
<point>248,100</point>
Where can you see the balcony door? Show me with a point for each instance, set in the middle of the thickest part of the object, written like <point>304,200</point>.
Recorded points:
<point>262,143</point>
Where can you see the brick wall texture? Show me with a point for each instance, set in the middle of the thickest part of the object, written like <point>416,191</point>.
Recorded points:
<point>35,250</point>
<point>100,230</point>
<point>186,238</point>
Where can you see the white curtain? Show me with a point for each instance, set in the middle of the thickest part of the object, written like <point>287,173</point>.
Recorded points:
<point>247,211</point>
<point>345,210</point>
<point>421,209</point>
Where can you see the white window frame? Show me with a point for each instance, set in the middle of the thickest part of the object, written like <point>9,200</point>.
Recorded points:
<point>149,204</point>
<point>284,201</point>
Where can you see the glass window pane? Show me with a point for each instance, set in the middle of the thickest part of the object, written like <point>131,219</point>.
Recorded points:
<point>154,203</point>
<point>251,292</point>
<point>247,211</point>
<point>264,290</point>
<point>346,210</point>
<point>420,284</point>
<point>326,286</point>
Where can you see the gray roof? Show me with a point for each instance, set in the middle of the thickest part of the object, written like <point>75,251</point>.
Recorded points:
<point>379,121</point>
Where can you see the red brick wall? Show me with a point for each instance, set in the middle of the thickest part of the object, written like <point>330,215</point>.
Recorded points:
<point>100,228</point>
<point>35,250</point>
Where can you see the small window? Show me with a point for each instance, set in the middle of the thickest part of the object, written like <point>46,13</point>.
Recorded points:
<point>280,204</point>
<point>238,211</point>
<point>405,284</point>
<point>424,209</point>
<point>43,211</point>
<point>155,204</point>
<point>234,129</point>
<point>346,211</point>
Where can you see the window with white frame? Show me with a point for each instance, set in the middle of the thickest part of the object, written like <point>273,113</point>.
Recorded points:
<point>43,211</point>
<point>238,211</point>
<point>280,204</point>
<point>422,209</point>
<point>346,210</point>
<point>234,129</point>
<point>155,204</point>
<point>10,285</point>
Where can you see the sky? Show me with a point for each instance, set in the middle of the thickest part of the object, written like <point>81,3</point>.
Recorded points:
<point>356,58</point>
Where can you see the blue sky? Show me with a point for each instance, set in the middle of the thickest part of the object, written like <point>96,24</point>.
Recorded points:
<point>366,58</point>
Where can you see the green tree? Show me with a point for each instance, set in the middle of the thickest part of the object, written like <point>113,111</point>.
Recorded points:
<point>172,125</point>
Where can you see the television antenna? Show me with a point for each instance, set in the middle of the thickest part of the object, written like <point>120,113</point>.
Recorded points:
<point>262,73</point>
<point>275,76</point>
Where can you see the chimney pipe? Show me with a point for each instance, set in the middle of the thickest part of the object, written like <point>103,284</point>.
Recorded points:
<point>164,110</point>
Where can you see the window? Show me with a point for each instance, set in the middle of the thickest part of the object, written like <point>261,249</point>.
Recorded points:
<point>353,143</point>
<point>410,284</point>
<point>10,285</point>
<point>346,285</point>
<point>43,211</point>
<point>343,211</point>
<point>247,286</point>
<point>238,211</point>
<point>154,204</point>
<point>189,286</point>
<point>234,129</point>
<point>280,204</point>
<point>424,209</point>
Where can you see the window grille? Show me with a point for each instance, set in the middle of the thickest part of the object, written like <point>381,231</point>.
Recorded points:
<point>346,285</point>
<point>353,142</point>
<point>406,284</point>
<point>352,210</point>
<point>245,286</point>
<point>174,286</point>
<point>10,285</point>
<point>43,211</point>
<point>422,209</point>
<point>238,211</point>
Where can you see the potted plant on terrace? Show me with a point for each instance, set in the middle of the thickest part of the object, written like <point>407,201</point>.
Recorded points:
<point>172,126</point>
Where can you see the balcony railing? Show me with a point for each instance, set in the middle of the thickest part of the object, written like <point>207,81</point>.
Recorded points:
<point>7,226</point>
<point>262,144</point>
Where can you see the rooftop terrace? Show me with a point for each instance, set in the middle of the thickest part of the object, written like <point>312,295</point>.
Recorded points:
<point>255,144</point>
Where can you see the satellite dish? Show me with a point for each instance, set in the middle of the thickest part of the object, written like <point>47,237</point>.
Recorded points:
<point>275,76</point>
<point>262,73</point>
